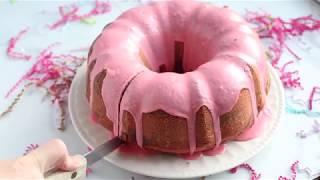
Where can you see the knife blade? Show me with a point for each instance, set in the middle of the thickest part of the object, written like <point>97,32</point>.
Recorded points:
<point>90,158</point>
<point>100,151</point>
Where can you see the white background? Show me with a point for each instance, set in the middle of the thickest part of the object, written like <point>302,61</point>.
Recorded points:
<point>33,120</point>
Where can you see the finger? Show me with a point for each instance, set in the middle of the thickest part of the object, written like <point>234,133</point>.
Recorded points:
<point>72,162</point>
<point>52,155</point>
<point>49,155</point>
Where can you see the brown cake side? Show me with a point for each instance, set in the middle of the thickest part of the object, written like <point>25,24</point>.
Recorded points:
<point>167,133</point>
<point>98,106</point>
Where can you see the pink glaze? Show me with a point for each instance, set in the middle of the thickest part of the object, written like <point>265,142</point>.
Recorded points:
<point>258,126</point>
<point>215,151</point>
<point>193,156</point>
<point>93,117</point>
<point>133,149</point>
<point>218,46</point>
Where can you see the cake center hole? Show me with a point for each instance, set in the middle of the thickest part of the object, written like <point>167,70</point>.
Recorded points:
<point>177,57</point>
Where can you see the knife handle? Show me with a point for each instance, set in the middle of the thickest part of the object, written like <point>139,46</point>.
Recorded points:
<point>77,174</point>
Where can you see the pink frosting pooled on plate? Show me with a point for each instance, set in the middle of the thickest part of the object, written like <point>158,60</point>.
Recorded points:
<point>218,46</point>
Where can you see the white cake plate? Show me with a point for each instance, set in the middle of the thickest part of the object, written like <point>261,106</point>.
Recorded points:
<point>166,166</point>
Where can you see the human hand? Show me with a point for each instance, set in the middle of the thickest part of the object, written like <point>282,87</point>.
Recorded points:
<point>53,155</point>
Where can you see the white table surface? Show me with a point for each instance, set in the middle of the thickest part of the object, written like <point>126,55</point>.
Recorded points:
<point>33,120</point>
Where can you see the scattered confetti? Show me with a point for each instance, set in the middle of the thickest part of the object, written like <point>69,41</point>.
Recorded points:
<point>88,21</point>
<point>300,107</point>
<point>13,104</point>
<point>30,147</point>
<point>11,50</point>
<point>315,130</point>
<point>297,101</point>
<point>293,169</point>
<point>314,90</point>
<point>306,112</point>
<point>54,74</point>
<point>288,78</point>
<point>253,174</point>
<point>306,170</point>
<point>278,31</point>
<point>69,13</point>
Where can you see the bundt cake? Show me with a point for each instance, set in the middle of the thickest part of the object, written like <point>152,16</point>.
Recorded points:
<point>177,76</point>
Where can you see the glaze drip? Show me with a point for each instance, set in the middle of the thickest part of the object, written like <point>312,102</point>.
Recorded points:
<point>205,66</point>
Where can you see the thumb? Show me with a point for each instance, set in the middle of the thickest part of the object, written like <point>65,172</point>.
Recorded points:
<point>54,155</point>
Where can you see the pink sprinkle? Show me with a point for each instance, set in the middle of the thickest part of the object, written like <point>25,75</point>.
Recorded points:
<point>314,90</point>
<point>11,52</point>
<point>88,171</point>
<point>30,148</point>
<point>292,53</point>
<point>31,71</point>
<point>53,68</point>
<point>253,174</point>
<point>89,148</point>
<point>278,30</point>
<point>293,169</point>
<point>54,73</point>
<point>72,15</point>
<point>288,78</point>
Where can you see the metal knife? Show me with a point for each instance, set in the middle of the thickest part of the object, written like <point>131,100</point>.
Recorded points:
<point>102,150</point>
<point>90,158</point>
